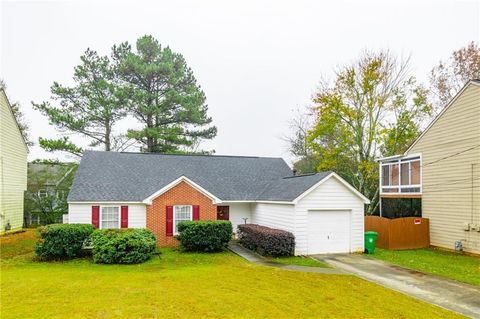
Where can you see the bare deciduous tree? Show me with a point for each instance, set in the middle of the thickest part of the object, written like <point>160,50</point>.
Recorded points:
<point>448,77</point>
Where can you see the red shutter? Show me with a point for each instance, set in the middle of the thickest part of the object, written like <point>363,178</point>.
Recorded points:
<point>96,216</point>
<point>124,217</point>
<point>196,212</point>
<point>169,220</point>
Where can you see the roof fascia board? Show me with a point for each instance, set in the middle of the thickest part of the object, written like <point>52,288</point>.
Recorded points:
<point>236,201</point>
<point>218,202</point>
<point>105,202</point>
<point>9,106</point>
<point>341,180</point>
<point>255,202</point>
<point>398,157</point>
<point>274,202</point>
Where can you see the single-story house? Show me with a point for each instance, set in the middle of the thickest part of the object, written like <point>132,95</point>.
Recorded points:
<point>157,191</point>
<point>441,169</point>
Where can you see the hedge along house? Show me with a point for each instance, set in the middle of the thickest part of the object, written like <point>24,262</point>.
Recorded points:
<point>441,170</point>
<point>157,191</point>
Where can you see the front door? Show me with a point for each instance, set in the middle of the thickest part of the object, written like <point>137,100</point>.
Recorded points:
<point>223,212</point>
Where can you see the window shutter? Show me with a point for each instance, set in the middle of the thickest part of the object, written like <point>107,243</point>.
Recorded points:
<point>169,220</point>
<point>124,217</point>
<point>196,212</point>
<point>96,216</point>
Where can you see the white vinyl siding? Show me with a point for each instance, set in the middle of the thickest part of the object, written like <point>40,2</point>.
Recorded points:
<point>447,199</point>
<point>237,213</point>
<point>82,214</point>
<point>13,169</point>
<point>330,196</point>
<point>279,216</point>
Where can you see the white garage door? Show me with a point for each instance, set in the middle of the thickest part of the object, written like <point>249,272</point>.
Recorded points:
<point>328,232</point>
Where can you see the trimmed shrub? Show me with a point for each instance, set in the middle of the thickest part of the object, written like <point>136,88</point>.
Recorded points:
<point>207,236</point>
<point>62,241</point>
<point>123,246</point>
<point>266,241</point>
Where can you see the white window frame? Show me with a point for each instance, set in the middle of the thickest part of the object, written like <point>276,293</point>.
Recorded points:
<point>101,216</point>
<point>42,193</point>
<point>175,232</point>
<point>409,159</point>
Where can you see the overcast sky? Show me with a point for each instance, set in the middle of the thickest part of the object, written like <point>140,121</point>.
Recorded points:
<point>257,61</point>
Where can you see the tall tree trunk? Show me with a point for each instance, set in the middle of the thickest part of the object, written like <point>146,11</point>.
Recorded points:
<point>108,133</point>
<point>150,140</point>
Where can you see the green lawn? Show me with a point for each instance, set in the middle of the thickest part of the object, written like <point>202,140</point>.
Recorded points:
<point>299,261</point>
<point>189,285</point>
<point>433,261</point>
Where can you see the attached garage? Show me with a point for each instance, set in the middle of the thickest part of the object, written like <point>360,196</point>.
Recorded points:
<point>325,218</point>
<point>328,231</point>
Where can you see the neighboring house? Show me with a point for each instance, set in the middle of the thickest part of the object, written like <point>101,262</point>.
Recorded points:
<point>13,169</point>
<point>47,191</point>
<point>442,167</point>
<point>157,191</point>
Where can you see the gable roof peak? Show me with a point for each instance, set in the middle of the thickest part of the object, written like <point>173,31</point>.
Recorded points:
<point>439,115</point>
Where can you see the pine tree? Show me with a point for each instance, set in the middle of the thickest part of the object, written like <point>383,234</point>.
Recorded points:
<point>163,95</point>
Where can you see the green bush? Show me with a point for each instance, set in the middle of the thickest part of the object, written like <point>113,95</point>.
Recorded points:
<point>62,241</point>
<point>204,236</point>
<point>123,246</point>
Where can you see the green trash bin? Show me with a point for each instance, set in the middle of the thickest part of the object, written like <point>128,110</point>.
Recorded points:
<point>370,239</point>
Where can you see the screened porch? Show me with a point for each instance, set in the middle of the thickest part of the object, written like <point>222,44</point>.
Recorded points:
<point>401,176</point>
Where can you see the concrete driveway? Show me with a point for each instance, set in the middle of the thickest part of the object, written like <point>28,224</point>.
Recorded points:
<point>452,295</point>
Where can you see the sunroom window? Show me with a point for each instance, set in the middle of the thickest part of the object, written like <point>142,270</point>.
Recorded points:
<point>405,175</point>
<point>385,175</point>
<point>401,176</point>
<point>415,173</point>
<point>110,217</point>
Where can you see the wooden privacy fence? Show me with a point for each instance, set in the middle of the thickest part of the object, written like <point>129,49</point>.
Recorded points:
<point>400,233</point>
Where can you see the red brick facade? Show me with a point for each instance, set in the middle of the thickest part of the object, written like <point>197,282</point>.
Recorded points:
<point>181,194</point>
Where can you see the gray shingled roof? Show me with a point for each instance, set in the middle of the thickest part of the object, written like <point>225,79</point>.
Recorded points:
<point>112,176</point>
<point>289,188</point>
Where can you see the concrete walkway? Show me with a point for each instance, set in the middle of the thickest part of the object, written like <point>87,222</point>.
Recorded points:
<point>260,260</point>
<point>449,294</point>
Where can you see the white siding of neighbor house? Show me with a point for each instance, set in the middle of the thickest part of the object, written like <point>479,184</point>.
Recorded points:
<point>449,199</point>
<point>13,168</point>
<point>330,195</point>
<point>279,216</point>
<point>237,212</point>
<point>82,214</point>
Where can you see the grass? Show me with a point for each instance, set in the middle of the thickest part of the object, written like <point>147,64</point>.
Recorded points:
<point>299,261</point>
<point>189,285</point>
<point>17,244</point>
<point>433,261</point>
